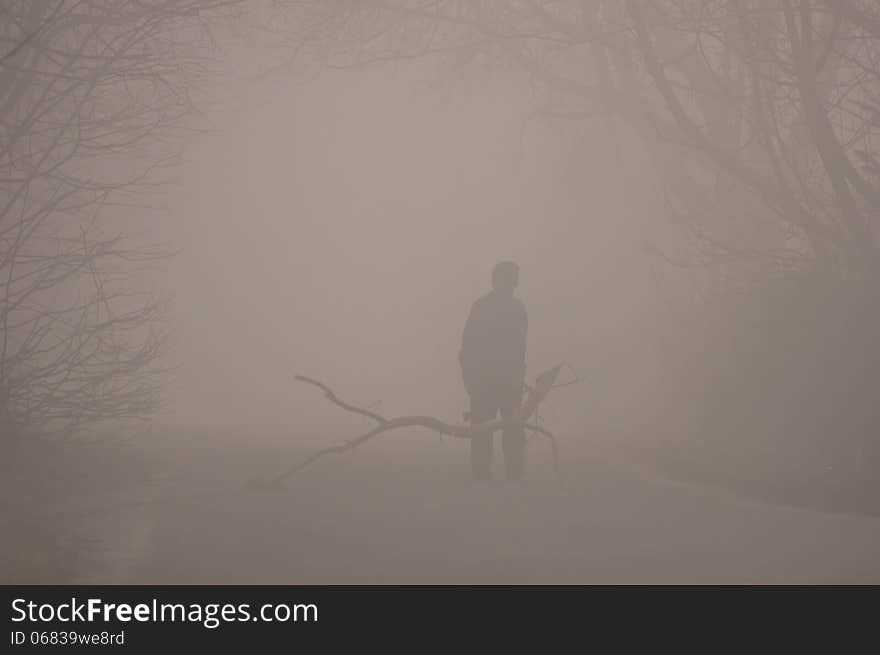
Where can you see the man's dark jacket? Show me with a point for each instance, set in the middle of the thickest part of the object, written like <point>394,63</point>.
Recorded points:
<point>493,346</point>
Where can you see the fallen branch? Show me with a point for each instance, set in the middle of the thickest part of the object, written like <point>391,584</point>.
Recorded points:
<point>543,385</point>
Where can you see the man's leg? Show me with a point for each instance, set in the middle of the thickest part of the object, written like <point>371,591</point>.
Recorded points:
<point>482,409</point>
<point>513,441</point>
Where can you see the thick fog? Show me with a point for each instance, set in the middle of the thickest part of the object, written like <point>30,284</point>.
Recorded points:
<point>341,229</point>
<point>699,256</point>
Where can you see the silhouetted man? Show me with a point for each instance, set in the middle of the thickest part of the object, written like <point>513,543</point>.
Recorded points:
<point>492,357</point>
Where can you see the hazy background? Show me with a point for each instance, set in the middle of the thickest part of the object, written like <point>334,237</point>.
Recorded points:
<point>333,182</point>
<point>342,228</point>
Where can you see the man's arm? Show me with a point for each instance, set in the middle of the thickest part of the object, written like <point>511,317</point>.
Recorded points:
<point>522,333</point>
<point>467,355</point>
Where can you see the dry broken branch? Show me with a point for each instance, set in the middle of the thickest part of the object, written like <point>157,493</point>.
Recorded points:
<point>333,398</point>
<point>543,385</point>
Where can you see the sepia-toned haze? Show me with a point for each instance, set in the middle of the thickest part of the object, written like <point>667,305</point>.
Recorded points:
<point>342,229</point>
<point>709,287</point>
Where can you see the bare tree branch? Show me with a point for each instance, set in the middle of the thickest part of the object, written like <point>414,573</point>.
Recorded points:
<point>544,384</point>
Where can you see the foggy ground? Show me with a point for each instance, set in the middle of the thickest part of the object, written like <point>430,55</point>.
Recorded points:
<point>170,509</point>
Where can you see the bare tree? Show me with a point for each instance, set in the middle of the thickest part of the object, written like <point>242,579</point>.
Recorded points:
<point>760,116</point>
<point>90,92</point>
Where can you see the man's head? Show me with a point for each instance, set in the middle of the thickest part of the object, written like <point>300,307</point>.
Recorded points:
<point>505,277</point>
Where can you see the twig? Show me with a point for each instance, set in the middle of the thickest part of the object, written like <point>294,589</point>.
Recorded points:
<point>333,398</point>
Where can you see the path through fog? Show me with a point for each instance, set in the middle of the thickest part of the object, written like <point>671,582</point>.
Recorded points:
<point>403,511</point>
